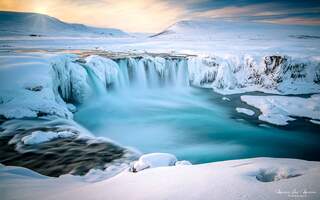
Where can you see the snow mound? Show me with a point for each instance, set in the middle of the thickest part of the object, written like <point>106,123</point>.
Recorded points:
<point>153,160</point>
<point>42,136</point>
<point>245,111</point>
<point>278,109</point>
<point>33,24</point>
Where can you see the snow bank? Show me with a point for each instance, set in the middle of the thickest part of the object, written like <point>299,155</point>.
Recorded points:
<point>41,136</point>
<point>278,109</point>
<point>26,87</point>
<point>245,111</point>
<point>153,160</point>
<point>247,179</point>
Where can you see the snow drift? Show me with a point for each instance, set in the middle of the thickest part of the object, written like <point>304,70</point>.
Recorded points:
<point>247,179</point>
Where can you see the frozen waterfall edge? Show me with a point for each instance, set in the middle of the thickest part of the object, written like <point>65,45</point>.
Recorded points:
<point>76,79</point>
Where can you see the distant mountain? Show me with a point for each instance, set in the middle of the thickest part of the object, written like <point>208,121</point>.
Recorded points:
<point>34,24</point>
<point>240,29</point>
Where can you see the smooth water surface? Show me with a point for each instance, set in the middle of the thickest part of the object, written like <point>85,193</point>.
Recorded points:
<point>194,124</point>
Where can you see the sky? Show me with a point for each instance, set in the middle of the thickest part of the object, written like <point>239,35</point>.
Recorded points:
<point>155,15</point>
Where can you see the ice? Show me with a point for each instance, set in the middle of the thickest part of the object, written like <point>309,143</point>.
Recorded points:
<point>315,121</point>
<point>30,93</point>
<point>245,111</point>
<point>271,74</point>
<point>277,109</point>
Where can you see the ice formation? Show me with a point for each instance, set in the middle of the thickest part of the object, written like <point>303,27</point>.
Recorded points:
<point>245,111</point>
<point>280,109</point>
<point>68,79</point>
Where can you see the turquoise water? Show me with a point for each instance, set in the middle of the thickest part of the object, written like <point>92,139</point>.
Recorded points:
<point>194,124</point>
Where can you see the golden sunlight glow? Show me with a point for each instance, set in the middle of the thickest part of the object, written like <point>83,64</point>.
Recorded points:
<point>41,9</point>
<point>128,15</point>
<point>136,15</point>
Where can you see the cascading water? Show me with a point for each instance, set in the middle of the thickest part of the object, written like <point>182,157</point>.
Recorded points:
<point>149,105</point>
<point>149,72</point>
<point>95,83</point>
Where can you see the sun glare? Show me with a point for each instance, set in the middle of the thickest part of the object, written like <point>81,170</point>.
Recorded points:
<point>41,9</point>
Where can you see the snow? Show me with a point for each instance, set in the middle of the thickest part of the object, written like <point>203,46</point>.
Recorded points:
<point>315,121</point>
<point>39,25</point>
<point>274,61</point>
<point>245,111</point>
<point>38,137</point>
<point>247,179</point>
<point>154,160</point>
<point>30,92</point>
<point>210,29</point>
<point>271,74</point>
<point>225,99</point>
<point>182,162</point>
<point>278,109</point>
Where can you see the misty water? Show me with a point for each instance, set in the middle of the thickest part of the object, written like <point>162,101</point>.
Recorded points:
<point>193,124</point>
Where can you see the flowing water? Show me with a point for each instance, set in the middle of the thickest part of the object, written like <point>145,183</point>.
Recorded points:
<point>194,124</point>
<point>153,109</point>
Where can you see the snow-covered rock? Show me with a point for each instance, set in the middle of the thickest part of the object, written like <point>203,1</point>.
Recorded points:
<point>315,121</point>
<point>153,160</point>
<point>45,136</point>
<point>245,111</point>
<point>278,109</point>
<point>183,162</point>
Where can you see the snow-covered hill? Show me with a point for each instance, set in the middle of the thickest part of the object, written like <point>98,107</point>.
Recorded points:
<point>216,29</point>
<point>33,24</point>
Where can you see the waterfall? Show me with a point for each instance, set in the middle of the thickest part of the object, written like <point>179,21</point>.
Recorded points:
<point>153,72</point>
<point>95,83</point>
<point>97,75</point>
<point>182,74</point>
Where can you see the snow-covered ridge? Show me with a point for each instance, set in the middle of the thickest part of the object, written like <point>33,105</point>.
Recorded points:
<point>217,29</point>
<point>33,24</point>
